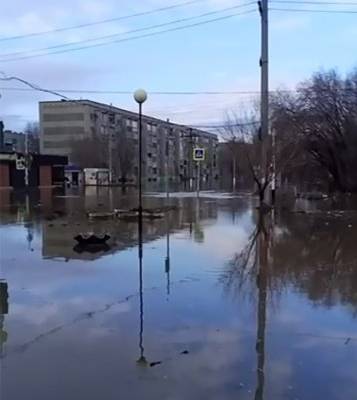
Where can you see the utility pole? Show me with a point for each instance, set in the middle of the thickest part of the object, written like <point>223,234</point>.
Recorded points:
<point>167,163</point>
<point>110,146</point>
<point>234,173</point>
<point>190,136</point>
<point>273,179</point>
<point>27,160</point>
<point>190,159</point>
<point>264,89</point>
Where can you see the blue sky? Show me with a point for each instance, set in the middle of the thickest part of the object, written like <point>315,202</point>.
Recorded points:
<point>218,56</point>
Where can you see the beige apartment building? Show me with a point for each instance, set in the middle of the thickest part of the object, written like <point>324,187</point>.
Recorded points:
<point>167,147</point>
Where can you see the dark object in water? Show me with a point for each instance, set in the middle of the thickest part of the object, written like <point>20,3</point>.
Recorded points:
<point>91,248</point>
<point>88,240</point>
<point>153,364</point>
<point>185,352</point>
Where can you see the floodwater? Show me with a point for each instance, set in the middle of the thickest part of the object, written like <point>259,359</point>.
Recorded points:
<point>223,304</point>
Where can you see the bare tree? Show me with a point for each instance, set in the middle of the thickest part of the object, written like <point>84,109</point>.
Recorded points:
<point>32,130</point>
<point>238,133</point>
<point>323,116</point>
<point>124,155</point>
<point>242,137</point>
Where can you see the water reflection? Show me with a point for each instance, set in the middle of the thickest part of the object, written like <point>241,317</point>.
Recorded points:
<point>167,259</point>
<point>142,360</point>
<point>299,251</point>
<point>4,309</point>
<point>291,320</point>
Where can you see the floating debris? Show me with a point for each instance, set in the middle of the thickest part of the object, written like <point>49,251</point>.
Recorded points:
<point>155,363</point>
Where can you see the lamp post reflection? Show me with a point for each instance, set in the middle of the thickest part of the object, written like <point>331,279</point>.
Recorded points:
<point>167,259</point>
<point>141,360</point>
<point>4,309</point>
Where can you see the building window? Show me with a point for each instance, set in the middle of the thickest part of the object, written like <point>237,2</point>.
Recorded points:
<point>149,155</point>
<point>63,130</point>
<point>63,117</point>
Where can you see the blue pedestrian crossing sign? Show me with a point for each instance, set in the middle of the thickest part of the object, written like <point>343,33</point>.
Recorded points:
<point>199,154</point>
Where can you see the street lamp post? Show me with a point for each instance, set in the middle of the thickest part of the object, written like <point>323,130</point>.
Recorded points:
<point>140,97</point>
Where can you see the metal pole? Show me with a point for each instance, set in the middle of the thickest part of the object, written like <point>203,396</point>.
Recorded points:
<point>140,224</point>
<point>190,159</point>
<point>273,179</point>
<point>26,161</point>
<point>264,109</point>
<point>234,173</point>
<point>110,158</point>
<point>167,160</point>
<point>110,147</point>
<point>198,178</point>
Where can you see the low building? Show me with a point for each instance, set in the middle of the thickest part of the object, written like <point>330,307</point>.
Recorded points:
<point>167,147</point>
<point>96,176</point>
<point>73,175</point>
<point>43,170</point>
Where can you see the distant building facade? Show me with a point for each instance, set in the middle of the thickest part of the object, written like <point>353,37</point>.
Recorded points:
<point>167,147</point>
<point>16,141</point>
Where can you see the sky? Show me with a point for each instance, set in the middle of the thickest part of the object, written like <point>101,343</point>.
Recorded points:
<point>219,56</point>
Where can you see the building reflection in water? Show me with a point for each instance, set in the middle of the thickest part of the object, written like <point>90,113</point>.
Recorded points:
<point>57,234</point>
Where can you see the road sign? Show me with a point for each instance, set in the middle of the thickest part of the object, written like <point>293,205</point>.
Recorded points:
<point>199,154</point>
<point>20,163</point>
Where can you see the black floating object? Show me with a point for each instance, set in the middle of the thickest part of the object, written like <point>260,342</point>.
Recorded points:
<point>185,352</point>
<point>91,239</point>
<point>155,363</point>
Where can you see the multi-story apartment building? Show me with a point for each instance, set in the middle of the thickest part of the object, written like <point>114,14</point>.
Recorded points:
<point>167,147</point>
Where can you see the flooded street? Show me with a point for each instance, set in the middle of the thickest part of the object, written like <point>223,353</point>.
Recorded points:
<point>223,304</point>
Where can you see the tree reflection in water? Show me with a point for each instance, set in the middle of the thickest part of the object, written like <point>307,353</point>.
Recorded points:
<point>314,253</point>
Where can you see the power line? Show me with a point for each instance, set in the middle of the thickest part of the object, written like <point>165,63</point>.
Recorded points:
<point>314,11</point>
<point>124,92</point>
<point>18,53</point>
<point>312,2</point>
<point>130,38</point>
<point>161,93</point>
<point>104,21</point>
<point>31,85</point>
<point>237,125</point>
